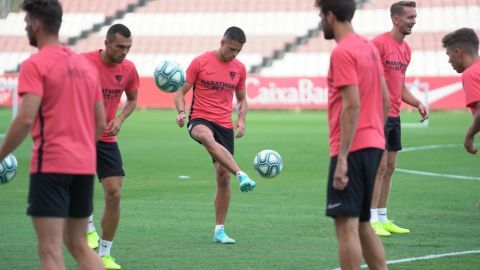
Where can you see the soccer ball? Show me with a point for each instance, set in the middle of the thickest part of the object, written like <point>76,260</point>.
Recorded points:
<point>8,169</point>
<point>268,163</point>
<point>169,76</point>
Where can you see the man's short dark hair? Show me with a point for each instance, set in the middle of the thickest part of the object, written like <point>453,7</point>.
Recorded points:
<point>235,33</point>
<point>49,12</point>
<point>464,38</point>
<point>397,8</point>
<point>118,29</point>
<point>342,9</point>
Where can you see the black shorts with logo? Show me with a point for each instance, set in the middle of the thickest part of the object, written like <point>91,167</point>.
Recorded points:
<point>393,134</point>
<point>109,160</point>
<point>60,195</point>
<point>355,199</point>
<point>222,135</point>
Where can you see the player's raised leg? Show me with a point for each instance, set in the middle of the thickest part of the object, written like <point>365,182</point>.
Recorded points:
<point>220,154</point>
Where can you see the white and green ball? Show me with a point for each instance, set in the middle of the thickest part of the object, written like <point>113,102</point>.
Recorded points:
<point>8,169</point>
<point>268,163</point>
<point>169,76</point>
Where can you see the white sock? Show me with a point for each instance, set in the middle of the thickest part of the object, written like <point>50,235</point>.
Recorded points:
<point>219,227</point>
<point>382,215</point>
<point>91,225</point>
<point>373,215</point>
<point>240,173</point>
<point>105,247</point>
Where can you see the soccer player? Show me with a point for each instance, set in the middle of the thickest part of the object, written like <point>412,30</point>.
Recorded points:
<point>395,54</point>
<point>62,107</point>
<point>117,75</point>
<point>462,51</point>
<point>215,77</point>
<point>357,107</point>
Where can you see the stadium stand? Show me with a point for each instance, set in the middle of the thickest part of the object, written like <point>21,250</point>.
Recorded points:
<point>282,35</point>
<point>428,56</point>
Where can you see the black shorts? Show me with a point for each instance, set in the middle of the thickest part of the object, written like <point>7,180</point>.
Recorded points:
<point>222,135</point>
<point>109,160</point>
<point>393,134</point>
<point>60,195</point>
<point>355,199</point>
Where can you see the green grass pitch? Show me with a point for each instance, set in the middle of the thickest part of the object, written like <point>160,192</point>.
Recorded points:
<point>167,222</point>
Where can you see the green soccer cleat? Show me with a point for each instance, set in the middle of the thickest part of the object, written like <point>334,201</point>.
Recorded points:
<point>93,239</point>
<point>109,263</point>
<point>221,237</point>
<point>390,227</point>
<point>246,184</point>
<point>379,230</point>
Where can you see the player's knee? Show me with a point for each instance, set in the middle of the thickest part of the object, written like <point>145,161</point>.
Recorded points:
<point>223,179</point>
<point>48,250</point>
<point>73,247</point>
<point>382,168</point>
<point>390,168</point>
<point>113,195</point>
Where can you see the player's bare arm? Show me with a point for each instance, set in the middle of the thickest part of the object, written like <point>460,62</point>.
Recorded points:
<point>411,100</point>
<point>21,125</point>
<point>385,99</point>
<point>100,123</point>
<point>348,125</point>
<point>242,108</point>
<point>180,104</point>
<point>115,125</point>
<point>472,130</point>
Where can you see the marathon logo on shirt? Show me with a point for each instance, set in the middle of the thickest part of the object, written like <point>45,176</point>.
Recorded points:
<point>109,94</point>
<point>218,86</point>
<point>396,65</point>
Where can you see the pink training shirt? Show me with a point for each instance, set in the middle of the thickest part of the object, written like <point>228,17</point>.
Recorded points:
<point>471,86</point>
<point>115,79</point>
<point>214,83</point>
<point>355,61</point>
<point>395,59</point>
<point>64,130</point>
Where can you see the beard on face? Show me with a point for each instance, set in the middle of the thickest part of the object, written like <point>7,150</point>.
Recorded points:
<point>32,40</point>
<point>328,33</point>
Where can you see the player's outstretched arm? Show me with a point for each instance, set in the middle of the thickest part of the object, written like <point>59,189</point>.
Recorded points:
<point>242,108</point>
<point>180,103</point>
<point>472,130</point>
<point>21,125</point>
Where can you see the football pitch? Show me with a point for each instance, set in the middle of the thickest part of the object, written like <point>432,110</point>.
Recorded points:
<point>167,222</point>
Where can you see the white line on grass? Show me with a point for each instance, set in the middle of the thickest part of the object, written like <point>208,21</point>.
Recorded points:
<point>439,174</point>
<point>435,146</point>
<point>429,147</point>
<point>428,257</point>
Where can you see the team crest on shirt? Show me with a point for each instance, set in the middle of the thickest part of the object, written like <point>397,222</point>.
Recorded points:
<point>232,74</point>
<point>118,78</point>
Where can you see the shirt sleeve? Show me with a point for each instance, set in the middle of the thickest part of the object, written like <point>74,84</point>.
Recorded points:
<point>30,79</point>
<point>134,80</point>
<point>243,77</point>
<point>344,69</point>
<point>192,71</point>
<point>471,87</point>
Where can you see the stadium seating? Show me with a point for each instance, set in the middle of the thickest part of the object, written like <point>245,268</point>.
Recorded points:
<point>181,29</point>
<point>435,19</point>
